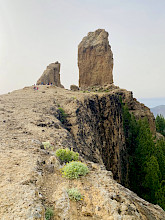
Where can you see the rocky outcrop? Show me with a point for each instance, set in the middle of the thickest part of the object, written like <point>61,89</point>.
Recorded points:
<point>51,75</point>
<point>31,178</point>
<point>95,60</point>
<point>103,198</point>
<point>99,134</point>
<point>138,109</point>
<point>97,128</point>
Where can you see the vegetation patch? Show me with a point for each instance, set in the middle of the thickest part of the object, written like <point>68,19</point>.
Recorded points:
<point>66,155</point>
<point>46,145</point>
<point>146,159</point>
<point>106,90</point>
<point>86,91</point>
<point>62,116</point>
<point>74,170</point>
<point>160,124</point>
<point>74,194</point>
<point>49,213</point>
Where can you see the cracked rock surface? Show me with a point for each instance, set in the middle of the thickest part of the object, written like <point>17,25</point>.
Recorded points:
<point>30,178</point>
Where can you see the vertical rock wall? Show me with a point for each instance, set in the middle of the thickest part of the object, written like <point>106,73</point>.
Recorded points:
<point>95,60</point>
<point>98,133</point>
<point>97,128</point>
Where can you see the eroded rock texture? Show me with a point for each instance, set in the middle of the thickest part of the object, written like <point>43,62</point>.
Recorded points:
<point>97,127</point>
<point>99,134</point>
<point>51,75</point>
<point>30,175</point>
<point>95,60</point>
<point>139,110</point>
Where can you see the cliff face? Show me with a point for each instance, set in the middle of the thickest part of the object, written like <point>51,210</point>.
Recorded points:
<point>98,132</point>
<point>95,60</point>
<point>31,177</point>
<point>97,127</point>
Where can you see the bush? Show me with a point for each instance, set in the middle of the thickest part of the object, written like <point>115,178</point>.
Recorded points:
<point>62,115</point>
<point>66,155</point>
<point>47,145</point>
<point>74,194</point>
<point>49,213</point>
<point>74,170</point>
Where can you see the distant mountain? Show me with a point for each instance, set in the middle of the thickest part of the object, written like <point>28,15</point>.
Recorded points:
<point>152,102</point>
<point>160,109</point>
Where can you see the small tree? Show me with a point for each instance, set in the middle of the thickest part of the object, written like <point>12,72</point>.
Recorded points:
<point>151,182</point>
<point>160,124</point>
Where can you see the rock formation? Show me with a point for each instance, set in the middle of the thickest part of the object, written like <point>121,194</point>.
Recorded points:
<point>97,127</point>
<point>95,60</point>
<point>51,75</point>
<point>31,178</point>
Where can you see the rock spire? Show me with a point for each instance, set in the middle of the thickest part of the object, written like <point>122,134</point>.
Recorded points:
<point>51,75</point>
<point>95,60</point>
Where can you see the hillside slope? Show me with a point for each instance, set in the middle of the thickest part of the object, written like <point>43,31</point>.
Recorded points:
<point>158,110</point>
<point>30,176</point>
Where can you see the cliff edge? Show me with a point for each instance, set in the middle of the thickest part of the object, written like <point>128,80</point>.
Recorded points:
<point>30,174</point>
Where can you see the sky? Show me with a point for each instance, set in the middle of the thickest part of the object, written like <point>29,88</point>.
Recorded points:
<point>35,33</point>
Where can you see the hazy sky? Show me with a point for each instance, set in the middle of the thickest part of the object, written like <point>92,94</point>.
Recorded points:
<point>34,33</point>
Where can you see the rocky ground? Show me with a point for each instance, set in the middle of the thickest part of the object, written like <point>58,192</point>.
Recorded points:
<point>30,178</point>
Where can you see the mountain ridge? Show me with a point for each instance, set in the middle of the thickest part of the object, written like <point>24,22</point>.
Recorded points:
<point>31,178</point>
<point>158,110</point>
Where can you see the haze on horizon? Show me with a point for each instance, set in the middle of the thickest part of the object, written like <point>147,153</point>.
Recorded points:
<point>35,33</point>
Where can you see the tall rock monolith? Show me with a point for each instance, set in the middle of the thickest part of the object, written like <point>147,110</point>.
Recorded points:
<point>95,60</point>
<point>51,75</point>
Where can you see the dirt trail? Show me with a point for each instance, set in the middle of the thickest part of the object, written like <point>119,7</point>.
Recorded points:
<point>25,121</point>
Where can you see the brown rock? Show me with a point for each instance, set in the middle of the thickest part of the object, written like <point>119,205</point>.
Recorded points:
<point>97,127</point>
<point>95,60</point>
<point>74,88</point>
<point>51,75</point>
<point>27,187</point>
<point>138,109</point>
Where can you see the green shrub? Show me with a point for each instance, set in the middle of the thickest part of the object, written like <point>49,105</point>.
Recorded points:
<point>62,115</point>
<point>47,145</point>
<point>74,194</point>
<point>49,213</point>
<point>74,170</point>
<point>66,155</point>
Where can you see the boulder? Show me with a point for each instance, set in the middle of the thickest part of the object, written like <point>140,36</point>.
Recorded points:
<point>74,88</point>
<point>95,60</point>
<point>51,75</point>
